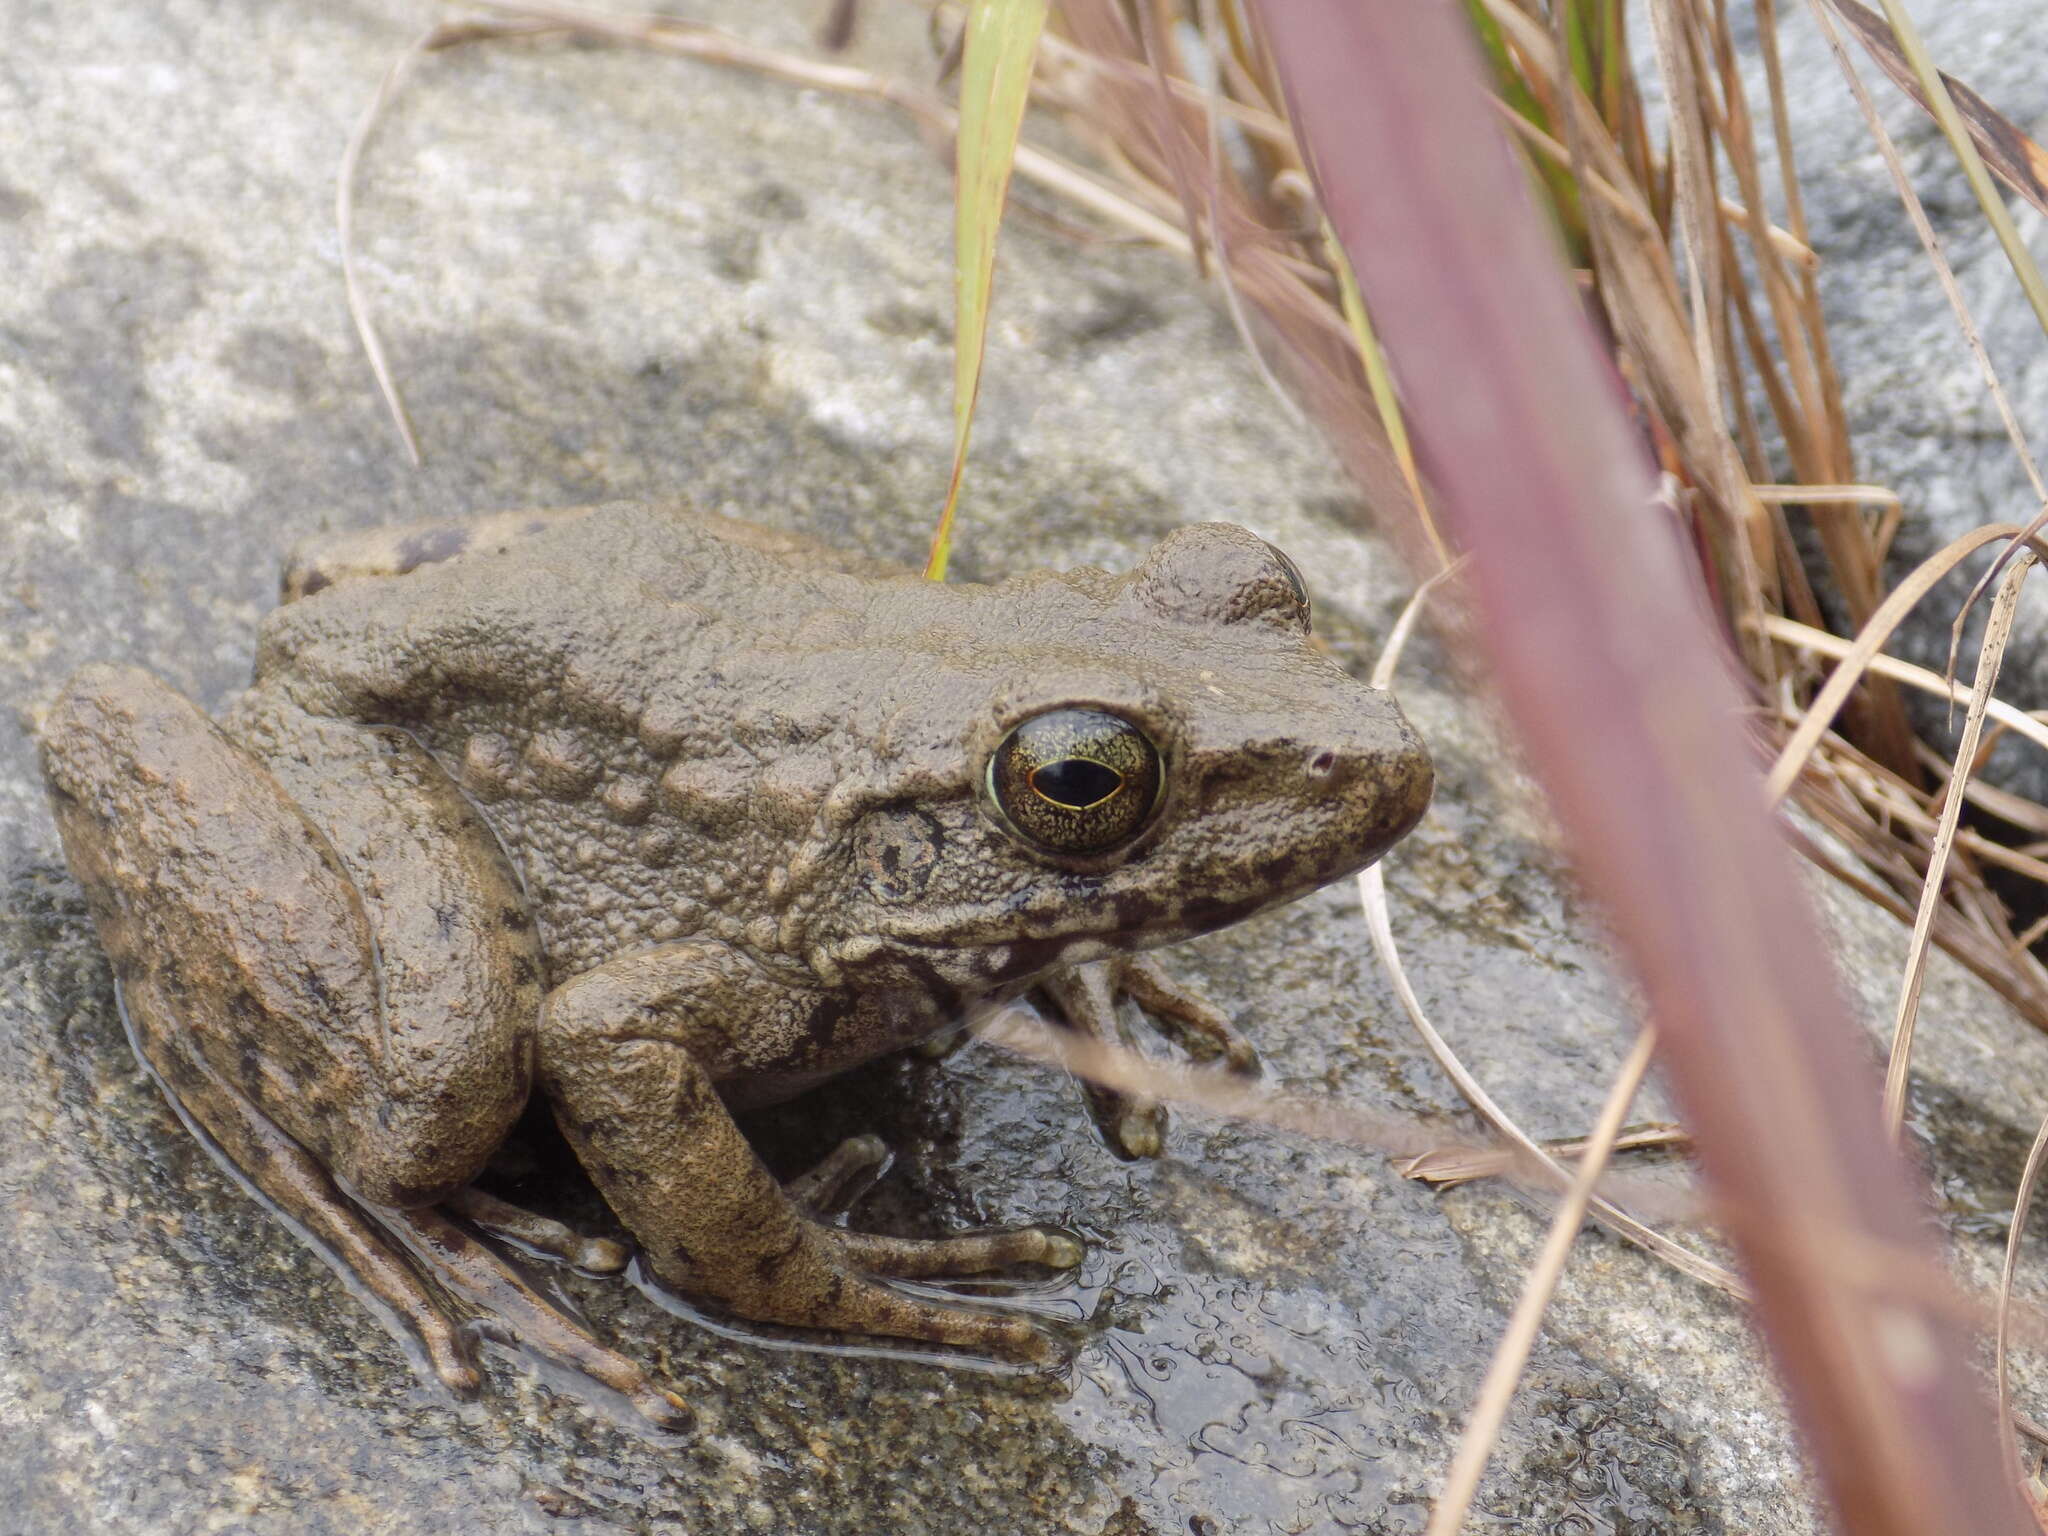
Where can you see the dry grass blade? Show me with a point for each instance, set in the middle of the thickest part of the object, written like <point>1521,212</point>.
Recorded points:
<point>1214,1090</point>
<point>1511,1355</point>
<point>2020,162</point>
<point>1821,643</point>
<point>1935,94</point>
<point>2022,1204</point>
<point>1372,900</point>
<point>344,227</point>
<point>995,86</point>
<point>1781,495</point>
<point>1388,662</point>
<point>1989,657</point>
<point>1447,1167</point>
<point>1694,183</point>
<point>1863,655</point>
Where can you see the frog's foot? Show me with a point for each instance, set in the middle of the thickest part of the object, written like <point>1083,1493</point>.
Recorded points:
<point>372,1252</point>
<point>1087,997</point>
<point>851,1170</point>
<point>511,1311</point>
<point>594,1255</point>
<point>838,1282</point>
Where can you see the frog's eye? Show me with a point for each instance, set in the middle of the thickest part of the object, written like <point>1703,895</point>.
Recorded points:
<point>1075,781</point>
<point>1293,574</point>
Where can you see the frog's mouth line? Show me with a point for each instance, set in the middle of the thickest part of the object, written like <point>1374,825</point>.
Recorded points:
<point>1018,956</point>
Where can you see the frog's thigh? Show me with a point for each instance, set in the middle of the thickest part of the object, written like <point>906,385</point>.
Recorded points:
<point>262,954</point>
<point>622,1050</point>
<point>323,561</point>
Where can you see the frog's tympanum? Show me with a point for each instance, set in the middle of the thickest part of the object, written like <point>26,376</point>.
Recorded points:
<point>663,815</point>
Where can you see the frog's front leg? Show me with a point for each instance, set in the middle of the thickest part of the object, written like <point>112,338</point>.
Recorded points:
<point>630,1056</point>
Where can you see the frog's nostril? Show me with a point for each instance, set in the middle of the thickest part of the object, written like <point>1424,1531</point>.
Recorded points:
<point>1322,764</point>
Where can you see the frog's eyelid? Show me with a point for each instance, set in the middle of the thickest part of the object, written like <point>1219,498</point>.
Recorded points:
<point>1294,578</point>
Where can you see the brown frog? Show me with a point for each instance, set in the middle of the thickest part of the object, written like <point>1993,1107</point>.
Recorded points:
<point>668,815</point>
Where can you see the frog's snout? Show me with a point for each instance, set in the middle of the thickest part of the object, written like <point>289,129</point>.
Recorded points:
<point>1378,785</point>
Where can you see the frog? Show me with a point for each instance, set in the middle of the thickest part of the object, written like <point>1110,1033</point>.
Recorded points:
<point>656,816</point>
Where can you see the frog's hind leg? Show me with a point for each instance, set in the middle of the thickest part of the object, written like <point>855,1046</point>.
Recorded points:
<point>321,562</point>
<point>370,1247</point>
<point>327,928</point>
<point>294,1184</point>
<point>342,1001</point>
<point>247,970</point>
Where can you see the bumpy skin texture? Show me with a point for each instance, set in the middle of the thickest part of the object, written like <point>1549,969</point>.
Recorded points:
<point>669,813</point>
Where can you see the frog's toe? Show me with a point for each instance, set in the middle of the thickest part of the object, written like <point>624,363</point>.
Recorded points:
<point>511,1311</point>
<point>969,1253</point>
<point>869,1306</point>
<point>544,1235</point>
<point>846,1174</point>
<point>1201,1028</point>
<point>1135,1126</point>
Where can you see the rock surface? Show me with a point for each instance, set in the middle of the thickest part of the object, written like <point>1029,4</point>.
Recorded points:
<point>607,274</point>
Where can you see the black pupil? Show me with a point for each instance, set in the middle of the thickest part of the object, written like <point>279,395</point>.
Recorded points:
<point>1076,782</point>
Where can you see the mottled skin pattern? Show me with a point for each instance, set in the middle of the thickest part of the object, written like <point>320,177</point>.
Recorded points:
<point>666,813</point>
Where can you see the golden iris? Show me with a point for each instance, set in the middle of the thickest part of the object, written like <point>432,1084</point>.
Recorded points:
<point>1075,781</point>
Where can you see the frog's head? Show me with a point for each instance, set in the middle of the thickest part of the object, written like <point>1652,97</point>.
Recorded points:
<point>1155,756</point>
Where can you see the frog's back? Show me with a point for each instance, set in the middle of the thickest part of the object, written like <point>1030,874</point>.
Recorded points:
<point>607,689</point>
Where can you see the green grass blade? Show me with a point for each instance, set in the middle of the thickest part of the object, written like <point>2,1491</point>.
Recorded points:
<point>995,84</point>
